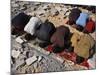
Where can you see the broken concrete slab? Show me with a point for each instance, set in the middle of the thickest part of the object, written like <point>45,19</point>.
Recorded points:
<point>44,51</point>
<point>40,58</point>
<point>19,40</point>
<point>15,44</point>
<point>15,54</point>
<point>31,60</point>
<point>15,5</point>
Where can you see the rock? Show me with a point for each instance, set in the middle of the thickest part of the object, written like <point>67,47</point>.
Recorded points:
<point>23,8</point>
<point>15,5</point>
<point>40,58</point>
<point>19,63</point>
<point>35,65</point>
<point>58,8</point>
<point>40,13</point>
<point>44,51</point>
<point>22,56</point>
<point>19,40</point>
<point>38,70</point>
<point>21,50</point>
<point>15,54</point>
<point>70,8</point>
<point>15,44</point>
<point>31,60</point>
<point>13,36</point>
<point>44,18</point>
<point>24,53</point>
<point>65,9</point>
<point>67,13</point>
<point>21,70</point>
<point>26,48</point>
<point>24,40</point>
<point>68,63</point>
<point>33,8</point>
<point>46,7</point>
<point>29,54</point>
<point>31,13</point>
<point>54,12</point>
<point>29,70</point>
<point>37,3</point>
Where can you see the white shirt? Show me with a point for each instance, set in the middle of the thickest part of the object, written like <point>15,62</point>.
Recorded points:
<point>30,27</point>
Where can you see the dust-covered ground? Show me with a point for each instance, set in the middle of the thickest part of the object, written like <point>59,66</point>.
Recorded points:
<point>26,58</point>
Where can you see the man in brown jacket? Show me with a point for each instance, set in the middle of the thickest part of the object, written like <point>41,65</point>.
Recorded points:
<point>83,45</point>
<point>59,38</point>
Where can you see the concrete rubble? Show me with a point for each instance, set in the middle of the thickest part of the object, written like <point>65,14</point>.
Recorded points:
<point>15,54</point>
<point>40,58</point>
<point>19,40</point>
<point>19,63</point>
<point>31,60</point>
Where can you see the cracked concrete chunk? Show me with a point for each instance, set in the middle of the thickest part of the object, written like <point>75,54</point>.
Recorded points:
<point>15,5</point>
<point>19,40</point>
<point>15,54</point>
<point>40,58</point>
<point>31,60</point>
